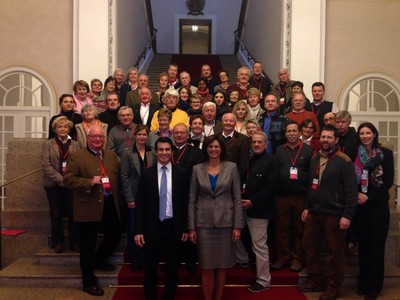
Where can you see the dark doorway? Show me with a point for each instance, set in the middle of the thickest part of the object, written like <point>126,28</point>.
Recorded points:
<point>194,36</point>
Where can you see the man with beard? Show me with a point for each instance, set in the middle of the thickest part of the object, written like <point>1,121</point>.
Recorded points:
<point>331,202</point>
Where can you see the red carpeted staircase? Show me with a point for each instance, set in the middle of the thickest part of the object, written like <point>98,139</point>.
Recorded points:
<point>192,64</point>
<point>284,285</point>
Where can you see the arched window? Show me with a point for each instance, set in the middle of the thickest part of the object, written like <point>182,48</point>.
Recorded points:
<point>25,106</point>
<point>375,97</point>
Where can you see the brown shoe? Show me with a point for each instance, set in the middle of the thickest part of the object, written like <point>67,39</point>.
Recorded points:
<point>310,287</point>
<point>330,294</point>
<point>279,264</point>
<point>296,266</point>
<point>58,248</point>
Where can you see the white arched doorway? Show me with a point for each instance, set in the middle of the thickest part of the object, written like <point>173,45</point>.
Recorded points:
<point>375,97</point>
<point>26,100</point>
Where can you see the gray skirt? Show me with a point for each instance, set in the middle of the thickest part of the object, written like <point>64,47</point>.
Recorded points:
<point>215,248</point>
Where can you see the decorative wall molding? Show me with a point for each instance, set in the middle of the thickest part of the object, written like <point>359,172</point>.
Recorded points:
<point>110,36</point>
<point>287,33</point>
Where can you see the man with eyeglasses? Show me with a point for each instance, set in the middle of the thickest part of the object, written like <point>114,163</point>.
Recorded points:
<point>93,173</point>
<point>329,118</point>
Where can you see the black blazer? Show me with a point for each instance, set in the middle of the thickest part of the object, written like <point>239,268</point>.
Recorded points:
<point>148,203</point>
<point>136,114</point>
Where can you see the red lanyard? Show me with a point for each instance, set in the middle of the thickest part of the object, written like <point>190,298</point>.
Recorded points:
<point>179,157</point>
<point>127,141</point>
<point>324,164</point>
<point>293,161</point>
<point>284,91</point>
<point>103,170</point>
<point>64,157</point>
<point>312,108</point>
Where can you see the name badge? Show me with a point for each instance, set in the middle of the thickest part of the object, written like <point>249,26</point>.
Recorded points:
<point>106,183</point>
<point>63,166</point>
<point>282,101</point>
<point>364,181</point>
<point>293,173</point>
<point>314,184</point>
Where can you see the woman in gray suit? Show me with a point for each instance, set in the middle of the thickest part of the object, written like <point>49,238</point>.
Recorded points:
<point>54,163</point>
<point>133,162</point>
<point>215,216</point>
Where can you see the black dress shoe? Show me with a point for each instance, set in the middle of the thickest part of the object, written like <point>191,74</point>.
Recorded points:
<point>360,291</point>
<point>94,290</point>
<point>105,267</point>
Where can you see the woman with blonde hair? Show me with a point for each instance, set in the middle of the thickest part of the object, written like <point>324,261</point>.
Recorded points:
<point>90,116</point>
<point>242,113</point>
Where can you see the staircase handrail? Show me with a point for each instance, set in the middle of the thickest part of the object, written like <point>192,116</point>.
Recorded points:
<point>151,44</point>
<point>239,44</point>
<point>21,177</point>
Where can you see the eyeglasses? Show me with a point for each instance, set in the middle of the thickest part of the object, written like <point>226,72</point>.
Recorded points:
<point>97,137</point>
<point>329,119</point>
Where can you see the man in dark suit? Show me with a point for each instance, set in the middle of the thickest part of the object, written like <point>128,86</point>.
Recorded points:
<point>143,112</point>
<point>184,157</point>
<point>132,97</point>
<point>93,175</point>
<point>161,218</point>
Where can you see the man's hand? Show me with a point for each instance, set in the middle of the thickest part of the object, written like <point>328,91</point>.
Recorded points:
<point>304,215</point>
<point>96,180</point>
<point>184,237</point>
<point>246,203</point>
<point>139,240</point>
<point>193,236</point>
<point>344,223</point>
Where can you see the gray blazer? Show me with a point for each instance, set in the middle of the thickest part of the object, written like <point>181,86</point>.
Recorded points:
<point>51,162</point>
<point>221,208</point>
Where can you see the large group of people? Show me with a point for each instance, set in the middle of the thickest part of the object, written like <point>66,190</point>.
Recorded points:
<point>185,168</point>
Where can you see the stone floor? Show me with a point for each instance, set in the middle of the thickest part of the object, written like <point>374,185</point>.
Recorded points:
<point>389,293</point>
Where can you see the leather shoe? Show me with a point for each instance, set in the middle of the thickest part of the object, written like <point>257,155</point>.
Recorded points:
<point>296,266</point>
<point>360,291</point>
<point>330,294</point>
<point>105,267</point>
<point>310,287</point>
<point>75,248</point>
<point>58,248</point>
<point>279,264</point>
<point>94,290</point>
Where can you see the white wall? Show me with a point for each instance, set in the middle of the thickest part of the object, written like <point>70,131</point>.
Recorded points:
<point>90,39</point>
<point>223,13</point>
<point>132,33</point>
<point>307,42</point>
<point>262,34</point>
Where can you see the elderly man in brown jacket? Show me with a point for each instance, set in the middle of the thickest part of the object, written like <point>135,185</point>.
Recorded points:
<point>93,175</point>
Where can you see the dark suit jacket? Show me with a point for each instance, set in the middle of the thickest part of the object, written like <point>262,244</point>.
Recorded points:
<point>186,158</point>
<point>148,203</point>
<point>238,151</point>
<point>220,208</point>
<point>89,200</point>
<point>132,98</point>
<point>136,114</point>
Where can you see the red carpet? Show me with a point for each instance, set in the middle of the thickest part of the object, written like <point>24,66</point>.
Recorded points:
<point>284,285</point>
<point>192,64</point>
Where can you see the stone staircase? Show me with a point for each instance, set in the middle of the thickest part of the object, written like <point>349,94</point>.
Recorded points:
<point>160,63</point>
